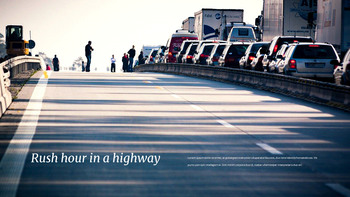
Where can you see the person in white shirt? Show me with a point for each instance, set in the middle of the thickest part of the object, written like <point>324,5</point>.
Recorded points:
<point>112,64</point>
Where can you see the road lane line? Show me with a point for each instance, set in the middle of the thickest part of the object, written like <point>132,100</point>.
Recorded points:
<point>269,149</point>
<point>197,108</point>
<point>176,96</point>
<point>12,163</point>
<point>226,124</point>
<point>147,81</point>
<point>339,188</point>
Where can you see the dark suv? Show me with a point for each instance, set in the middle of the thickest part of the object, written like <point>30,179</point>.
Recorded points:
<point>276,44</point>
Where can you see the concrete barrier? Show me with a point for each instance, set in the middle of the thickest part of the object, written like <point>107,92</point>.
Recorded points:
<point>15,66</point>
<point>307,89</point>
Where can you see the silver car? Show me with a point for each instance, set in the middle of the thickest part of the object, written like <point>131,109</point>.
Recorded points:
<point>310,60</point>
<point>342,73</point>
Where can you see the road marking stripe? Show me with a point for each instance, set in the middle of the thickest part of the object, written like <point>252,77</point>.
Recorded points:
<point>339,188</point>
<point>269,149</point>
<point>12,163</point>
<point>176,96</point>
<point>197,108</point>
<point>226,124</point>
<point>147,81</point>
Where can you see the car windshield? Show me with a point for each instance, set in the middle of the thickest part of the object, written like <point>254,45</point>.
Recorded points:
<point>255,47</point>
<point>219,50</point>
<point>314,52</point>
<point>154,53</point>
<point>237,50</point>
<point>185,47</point>
<point>193,49</point>
<point>207,49</point>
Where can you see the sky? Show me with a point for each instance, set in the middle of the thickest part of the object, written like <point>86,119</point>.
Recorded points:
<point>64,27</point>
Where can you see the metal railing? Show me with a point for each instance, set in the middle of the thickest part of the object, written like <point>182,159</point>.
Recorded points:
<point>307,89</point>
<point>9,69</point>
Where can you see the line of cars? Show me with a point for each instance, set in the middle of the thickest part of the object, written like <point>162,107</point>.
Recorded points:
<point>290,55</point>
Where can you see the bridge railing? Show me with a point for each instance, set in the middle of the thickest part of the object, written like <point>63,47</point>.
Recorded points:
<point>311,90</point>
<point>10,69</point>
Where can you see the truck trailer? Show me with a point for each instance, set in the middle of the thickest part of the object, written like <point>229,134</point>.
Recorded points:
<point>188,24</point>
<point>210,23</point>
<point>289,18</point>
<point>333,23</point>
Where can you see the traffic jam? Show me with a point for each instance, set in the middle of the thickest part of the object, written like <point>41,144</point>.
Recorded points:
<point>257,47</point>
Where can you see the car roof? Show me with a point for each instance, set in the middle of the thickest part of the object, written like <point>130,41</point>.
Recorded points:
<point>312,43</point>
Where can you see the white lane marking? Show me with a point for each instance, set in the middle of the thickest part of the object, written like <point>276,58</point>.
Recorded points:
<point>197,108</point>
<point>339,188</point>
<point>12,163</point>
<point>226,124</point>
<point>176,96</point>
<point>269,149</point>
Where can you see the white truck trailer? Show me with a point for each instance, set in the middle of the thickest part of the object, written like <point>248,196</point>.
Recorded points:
<point>333,23</point>
<point>188,24</point>
<point>210,23</point>
<point>288,18</point>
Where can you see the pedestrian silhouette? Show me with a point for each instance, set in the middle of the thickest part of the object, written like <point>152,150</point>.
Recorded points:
<point>131,53</point>
<point>88,50</point>
<point>125,61</point>
<point>56,63</point>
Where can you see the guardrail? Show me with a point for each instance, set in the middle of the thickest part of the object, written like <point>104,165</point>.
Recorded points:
<point>311,90</point>
<point>13,67</point>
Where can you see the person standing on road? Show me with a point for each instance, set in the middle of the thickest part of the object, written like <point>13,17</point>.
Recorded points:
<point>113,64</point>
<point>131,53</point>
<point>56,63</point>
<point>88,50</point>
<point>141,60</point>
<point>125,61</point>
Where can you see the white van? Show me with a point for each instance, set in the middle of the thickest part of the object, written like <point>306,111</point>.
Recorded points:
<point>241,34</point>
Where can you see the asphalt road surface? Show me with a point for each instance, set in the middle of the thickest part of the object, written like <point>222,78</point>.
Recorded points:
<point>150,134</point>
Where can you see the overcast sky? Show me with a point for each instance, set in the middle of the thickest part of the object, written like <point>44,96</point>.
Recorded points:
<point>63,27</point>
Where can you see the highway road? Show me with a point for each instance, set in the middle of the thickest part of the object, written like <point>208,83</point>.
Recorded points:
<point>151,134</point>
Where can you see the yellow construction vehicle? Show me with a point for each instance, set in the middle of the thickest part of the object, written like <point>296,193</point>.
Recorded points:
<point>15,45</point>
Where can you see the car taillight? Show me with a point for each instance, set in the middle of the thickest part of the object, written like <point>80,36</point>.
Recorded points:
<point>314,46</point>
<point>151,58</point>
<point>204,56</point>
<point>215,59</point>
<point>189,56</point>
<point>275,48</point>
<point>251,58</point>
<point>170,53</point>
<point>292,64</point>
<point>261,59</point>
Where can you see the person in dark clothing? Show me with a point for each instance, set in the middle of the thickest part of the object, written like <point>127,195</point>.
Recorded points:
<point>141,60</point>
<point>56,63</point>
<point>82,66</point>
<point>131,53</point>
<point>113,64</point>
<point>125,61</point>
<point>88,50</point>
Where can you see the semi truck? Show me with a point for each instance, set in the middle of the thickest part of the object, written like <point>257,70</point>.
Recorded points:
<point>210,24</point>
<point>333,24</point>
<point>188,24</point>
<point>289,18</point>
